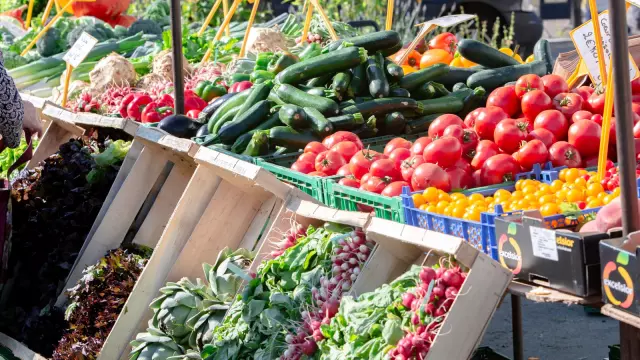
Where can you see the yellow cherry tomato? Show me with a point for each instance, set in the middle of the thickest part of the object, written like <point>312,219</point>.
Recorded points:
<point>443,196</point>
<point>572,175</point>
<point>423,207</point>
<point>476,198</point>
<point>562,174</point>
<point>441,206</point>
<point>432,209</point>
<point>502,194</point>
<point>575,195</point>
<point>458,211</point>
<point>519,184</point>
<point>430,194</point>
<point>517,195</point>
<point>607,199</point>
<point>594,203</point>
<point>549,209</point>
<point>556,185</point>
<point>580,182</point>
<point>457,196</point>
<point>529,189</point>
<point>418,200</point>
<point>547,199</point>
<point>594,189</point>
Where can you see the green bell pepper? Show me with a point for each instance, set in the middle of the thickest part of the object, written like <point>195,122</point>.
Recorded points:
<point>281,61</point>
<point>262,61</point>
<point>208,90</point>
<point>261,75</point>
<point>238,77</point>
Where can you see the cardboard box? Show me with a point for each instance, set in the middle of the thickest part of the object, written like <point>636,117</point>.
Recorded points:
<point>620,276</point>
<point>559,259</point>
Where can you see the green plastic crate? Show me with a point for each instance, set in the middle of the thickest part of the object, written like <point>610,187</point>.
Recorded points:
<point>351,199</point>
<point>614,352</point>
<point>311,185</point>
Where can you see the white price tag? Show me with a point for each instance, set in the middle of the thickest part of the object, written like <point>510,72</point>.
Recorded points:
<point>14,29</point>
<point>543,243</point>
<point>584,40</point>
<point>449,20</point>
<point>80,49</point>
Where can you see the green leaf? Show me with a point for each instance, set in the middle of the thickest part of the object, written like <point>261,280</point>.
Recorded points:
<point>392,332</point>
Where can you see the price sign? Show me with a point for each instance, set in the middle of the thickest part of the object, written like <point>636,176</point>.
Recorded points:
<point>584,40</point>
<point>80,49</point>
<point>449,20</point>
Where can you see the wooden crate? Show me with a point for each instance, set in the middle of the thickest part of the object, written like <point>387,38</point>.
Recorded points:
<point>398,246</point>
<point>227,203</point>
<point>149,184</point>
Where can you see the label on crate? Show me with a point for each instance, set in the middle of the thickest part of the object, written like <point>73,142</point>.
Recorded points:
<point>80,49</point>
<point>584,39</point>
<point>543,243</point>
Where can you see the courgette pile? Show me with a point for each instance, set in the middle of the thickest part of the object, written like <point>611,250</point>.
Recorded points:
<point>350,85</point>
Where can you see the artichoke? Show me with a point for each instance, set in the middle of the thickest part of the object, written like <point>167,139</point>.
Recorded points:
<point>204,323</point>
<point>190,355</point>
<point>178,303</point>
<point>226,275</point>
<point>154,345</point>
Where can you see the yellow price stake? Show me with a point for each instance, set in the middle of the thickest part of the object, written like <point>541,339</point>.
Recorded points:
<point>47,11</point>
<point>67,79</point>
<point>225,10</point>
<point>207,21</point>
<point>389,23</point>
<point>606,126</point>
<point>29,14</point>
<point>307,23</point>
<point>593,8</point>
<point>325,18</point>
<point>225,22</point>
<point>254,10</point>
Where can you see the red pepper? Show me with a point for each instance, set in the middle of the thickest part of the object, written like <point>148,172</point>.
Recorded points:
<point>193,103</point>
<point>125,102</point>
<point>154,112</point>
<point>16,14</point>
<point>166,100</point>
<point>135,107</point>
<point>193,113</point>
<point>240,86</point>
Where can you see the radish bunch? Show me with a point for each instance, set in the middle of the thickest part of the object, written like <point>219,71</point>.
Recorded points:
<point>428,314</point>
<point>290,238</point>
<point>351,251</point>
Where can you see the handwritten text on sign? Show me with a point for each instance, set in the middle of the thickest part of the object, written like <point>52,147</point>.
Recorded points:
<point>80,49</point>
<point>585,43</point>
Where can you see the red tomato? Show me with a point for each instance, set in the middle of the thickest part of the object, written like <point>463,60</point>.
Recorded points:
<point>510,134</point>
<point>365,178</point>
<point>543,135</point>
<point>596,102</point>
<point>442,122</point>
<point>498,169</point>
<point>533,152</point>
<point>459,179</point>
<point>477,180</point>
<point>308,157</point>
<point>409,165</point>
<point>398,156</point>
<point>420,144</point>
<point>534,102</point>
<point>304,167</point>
<point>567,103</point>
<point>505,98</point>
<point>385,168</point>
<point>340,136</point>
<point>564,154</point>
<point>395,188</point>
<point>346,149</point>
<point>469,143</point>
<point>361,162</point>
<point>329,162</point>
<point>554,85</point>
<point>345,170</point>
<point>528,83</point>
<point>597,118</point>
<point>487,120</point>
<point>430,175</point>
<point>396,144</point>
<point>635,107</point>
<point>317,173</point>
<point>590,162</point>
<point>613,134</point>
<point>585,136</point>
<point>487,144</point>
<point>463,164</point>
<point>444,152</point>
<point>375,184</point>
<point>315,147</point>
<point>455,131</point>
<point>445,41</point>
<point>554,121</point>
<point>636,130</point>
<point>350,182</point>
<point>581,115</point>
<point>470,119</point>
<point>635,86</point>
<point>584,92</point>
<point>481,156</point>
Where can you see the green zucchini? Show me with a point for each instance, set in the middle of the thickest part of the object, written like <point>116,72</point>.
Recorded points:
<point>341,82</point>
<point>229,116</point>
<point>417,78</point>
<point>379,107</point>
<point>289,138</point>
<point>399,92</point>
<point>312,50</point>
<point>378,83</point>
<point>484,54</point>
<point>321,80</point>
<point>368,129</point>
<point>456,75</point>
<point>477,98</point>
<point>542,52</point>
<point>394,71</point>
<point>258,145</point>
<point>347,122</point>
<point>211,108</point>
<point>441,90</point>
<point>235,101</point>
<point>393,124</point>
<point>346,104</point>
<point>243,140</point>
<point>420,124</point>
<point>336,61</point>
<point>494,78</point>
<point>388,42</point>
<point>245,122</point>
<point>260,92</point>
<point>425,91</point>
<point>359,80</point>
<point>459,86</point>
<point>447,105</point>
<point>293,116</point>
<point>274,98</point>
<point>462,93</point>
<point>293,95</point>
<point>319,124</point>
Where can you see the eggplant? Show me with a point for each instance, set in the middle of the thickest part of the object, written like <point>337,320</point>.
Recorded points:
<point>180,126</point>
<point>203,130</point>
<point>206,113</point>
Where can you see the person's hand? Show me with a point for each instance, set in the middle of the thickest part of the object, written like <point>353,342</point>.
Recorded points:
<point>31,120</point>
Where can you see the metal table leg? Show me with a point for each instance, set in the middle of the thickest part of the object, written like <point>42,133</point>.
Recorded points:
<point>516,327</point>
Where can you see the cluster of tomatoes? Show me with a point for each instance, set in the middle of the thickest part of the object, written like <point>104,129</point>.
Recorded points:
<point>574,186</point>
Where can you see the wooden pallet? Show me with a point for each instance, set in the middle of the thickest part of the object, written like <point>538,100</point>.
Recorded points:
<point>145,193</point>
<point>227,203</point>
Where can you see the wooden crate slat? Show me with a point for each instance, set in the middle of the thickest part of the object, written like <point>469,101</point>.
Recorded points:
<point>53,137</point>
<point>18,349</point>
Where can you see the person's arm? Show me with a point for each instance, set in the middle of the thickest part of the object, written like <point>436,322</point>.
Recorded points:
<point>11,109</point>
